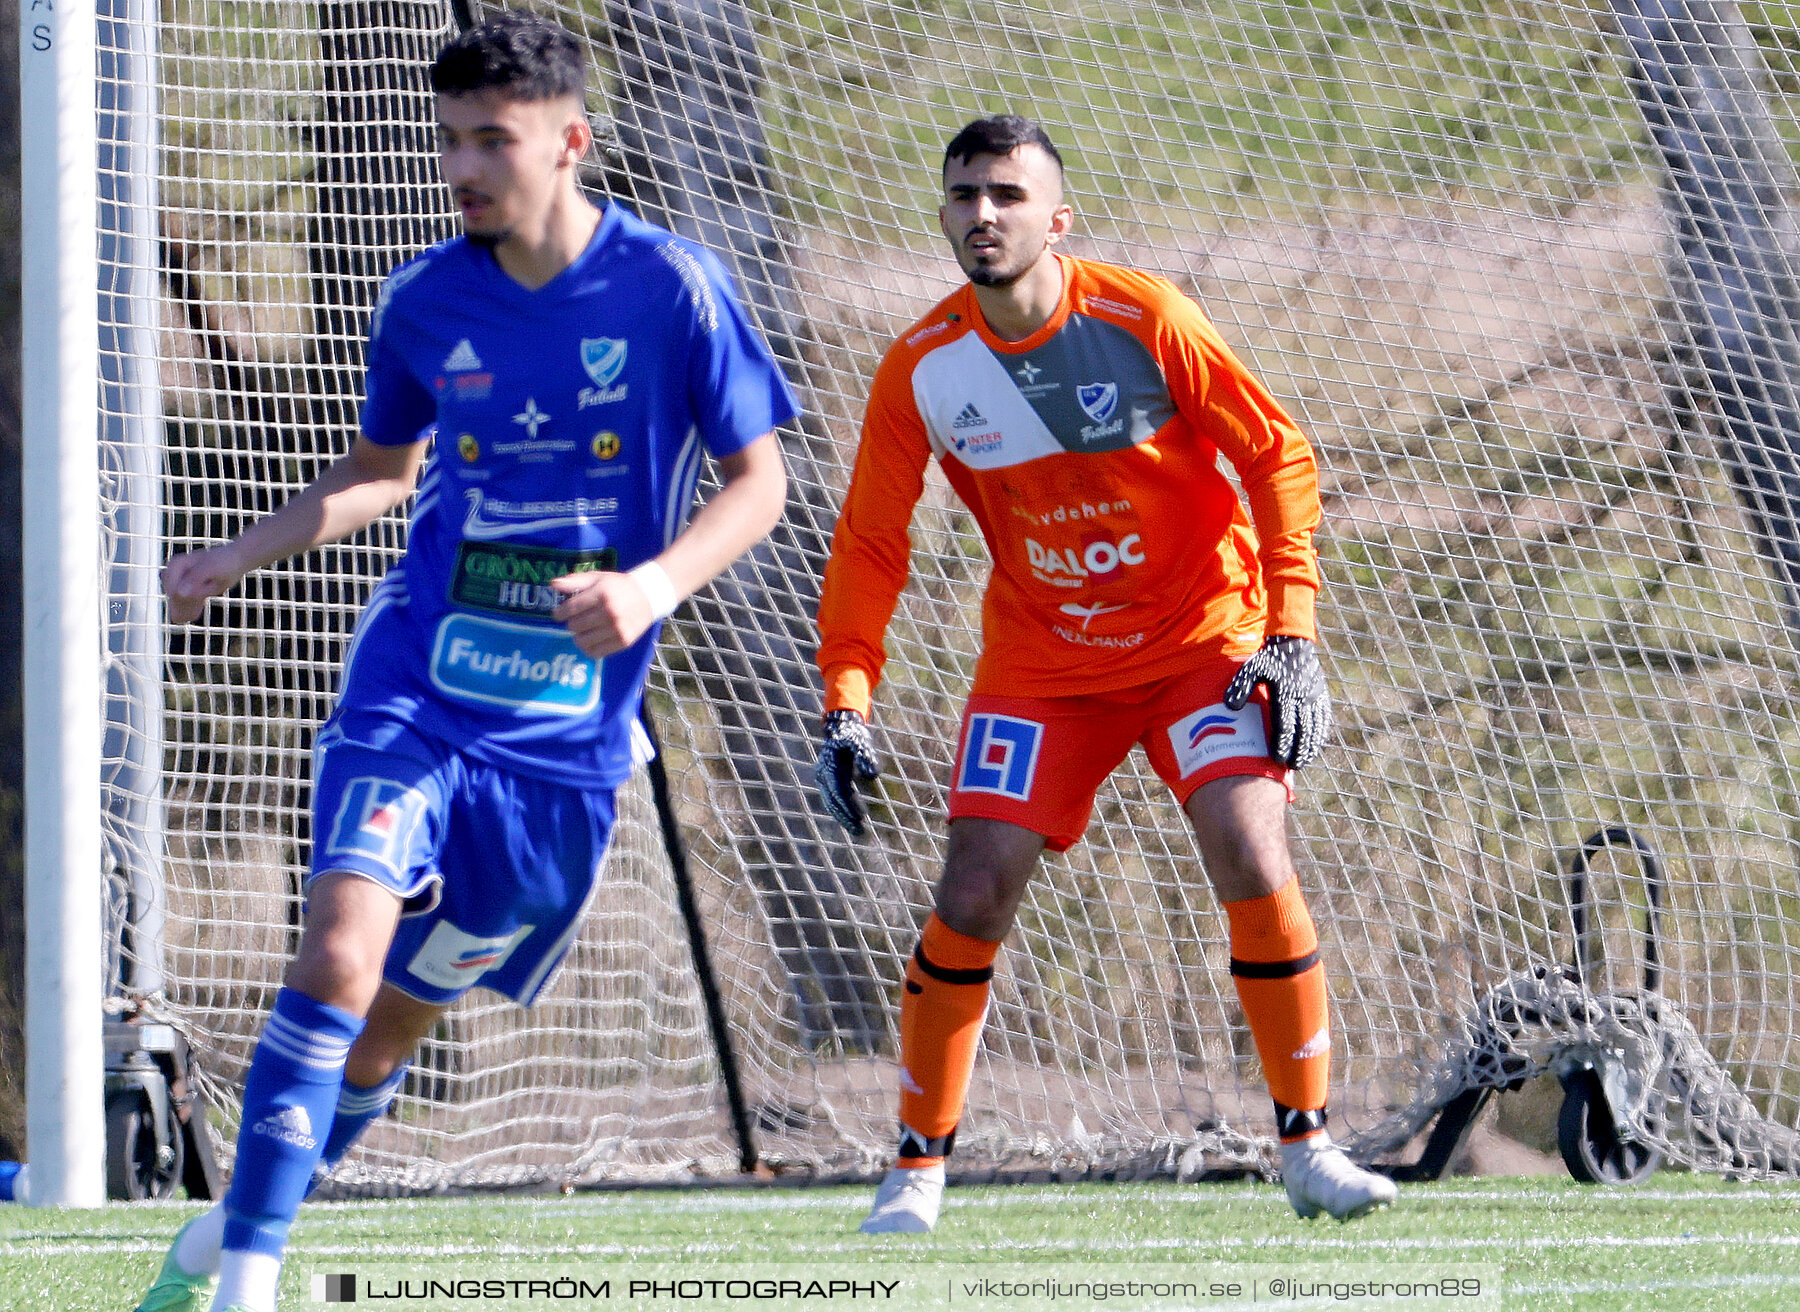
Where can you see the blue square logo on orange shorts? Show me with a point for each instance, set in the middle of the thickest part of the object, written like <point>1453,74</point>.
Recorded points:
<point>1000,756</point>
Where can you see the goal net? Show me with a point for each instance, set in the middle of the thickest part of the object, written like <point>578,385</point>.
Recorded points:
<point>1558,548</point>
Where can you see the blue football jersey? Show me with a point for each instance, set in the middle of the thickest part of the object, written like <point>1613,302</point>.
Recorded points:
<point>570,423</point>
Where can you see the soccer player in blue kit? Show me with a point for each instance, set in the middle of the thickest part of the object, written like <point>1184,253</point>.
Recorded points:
<point>574,365</point>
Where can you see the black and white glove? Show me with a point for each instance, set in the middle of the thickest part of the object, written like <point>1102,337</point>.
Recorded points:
<point>846,758</point>
<point>1299,702</point>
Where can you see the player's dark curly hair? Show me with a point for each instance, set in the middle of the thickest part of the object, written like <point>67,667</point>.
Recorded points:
<point>998,134</point>
<point>520,54</point>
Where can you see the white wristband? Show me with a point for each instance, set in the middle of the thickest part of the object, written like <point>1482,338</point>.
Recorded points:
<point>657,589</point>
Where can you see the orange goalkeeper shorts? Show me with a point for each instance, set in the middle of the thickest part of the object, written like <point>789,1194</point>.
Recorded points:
<point>1037,762</point>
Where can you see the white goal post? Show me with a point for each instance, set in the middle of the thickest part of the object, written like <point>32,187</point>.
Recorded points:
<point>62,597</point>
<point>1526,277</point>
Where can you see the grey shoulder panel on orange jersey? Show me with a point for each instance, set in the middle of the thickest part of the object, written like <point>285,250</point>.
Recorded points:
<point>1095,386</point>
<point>1092,387</point>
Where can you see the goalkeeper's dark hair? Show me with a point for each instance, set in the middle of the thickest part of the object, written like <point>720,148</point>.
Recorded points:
<point>521,55</point>
<point>999,134</point>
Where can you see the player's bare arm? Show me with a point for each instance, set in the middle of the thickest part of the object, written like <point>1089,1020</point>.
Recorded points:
<point>356,490</point>
<point>607,612</point>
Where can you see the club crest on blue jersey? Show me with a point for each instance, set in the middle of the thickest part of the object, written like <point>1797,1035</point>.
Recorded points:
<point>1000,756</point>
<point>1217,733</point>
<point>1099,400</point>
<point>375,819</point>
<point>603,358</point>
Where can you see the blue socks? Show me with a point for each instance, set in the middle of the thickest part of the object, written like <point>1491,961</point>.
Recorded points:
<point>356,1107</point>
<point>198,1248</point>
<point>290,1098</point>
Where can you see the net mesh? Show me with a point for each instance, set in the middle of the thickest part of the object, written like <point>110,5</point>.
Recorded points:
<point>1556,594</point>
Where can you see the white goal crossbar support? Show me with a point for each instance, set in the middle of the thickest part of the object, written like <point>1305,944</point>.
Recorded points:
<point>65,1067</point>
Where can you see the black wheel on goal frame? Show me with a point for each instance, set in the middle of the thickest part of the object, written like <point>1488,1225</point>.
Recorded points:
<point>1586,1129</point>
<point>1589,1138</point>
<point>140,1163</point>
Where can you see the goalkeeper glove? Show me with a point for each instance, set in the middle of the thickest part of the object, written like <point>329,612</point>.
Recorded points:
<point>1299,703</point>
<point>846,758</point>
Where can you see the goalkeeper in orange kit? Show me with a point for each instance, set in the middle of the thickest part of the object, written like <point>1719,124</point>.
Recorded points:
<point>1079,410</point>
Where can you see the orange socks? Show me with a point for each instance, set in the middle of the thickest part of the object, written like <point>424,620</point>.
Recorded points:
<point>1275,965</point>
<point>941,1013</point>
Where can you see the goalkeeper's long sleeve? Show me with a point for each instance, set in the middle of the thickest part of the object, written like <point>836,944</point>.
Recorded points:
<point>871,552</point>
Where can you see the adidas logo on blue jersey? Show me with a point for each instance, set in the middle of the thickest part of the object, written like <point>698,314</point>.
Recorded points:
<point>969,418</point>
<point>463,359</point>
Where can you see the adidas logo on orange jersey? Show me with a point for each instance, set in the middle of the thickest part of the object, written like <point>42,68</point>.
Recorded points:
<point>969,417</point>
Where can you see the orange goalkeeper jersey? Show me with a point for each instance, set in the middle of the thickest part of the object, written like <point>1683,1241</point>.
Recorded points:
<point>1089,455</point>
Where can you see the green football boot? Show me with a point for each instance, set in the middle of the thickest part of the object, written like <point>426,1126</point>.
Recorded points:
<point>175,1290</point>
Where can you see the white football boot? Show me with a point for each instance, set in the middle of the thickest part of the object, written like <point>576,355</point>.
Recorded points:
<point>1320,1178</point>
<point>907,1202</point>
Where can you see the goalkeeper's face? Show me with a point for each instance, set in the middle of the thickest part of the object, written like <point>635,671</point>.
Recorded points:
<point>509,163</point>
<point>1003,213</point>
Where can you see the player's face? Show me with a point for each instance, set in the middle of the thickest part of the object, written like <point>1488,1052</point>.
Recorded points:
<point>1002,213</point>
<point>504,160</point>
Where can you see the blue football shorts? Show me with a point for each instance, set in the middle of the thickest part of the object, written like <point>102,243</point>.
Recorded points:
<point>493,868</point>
